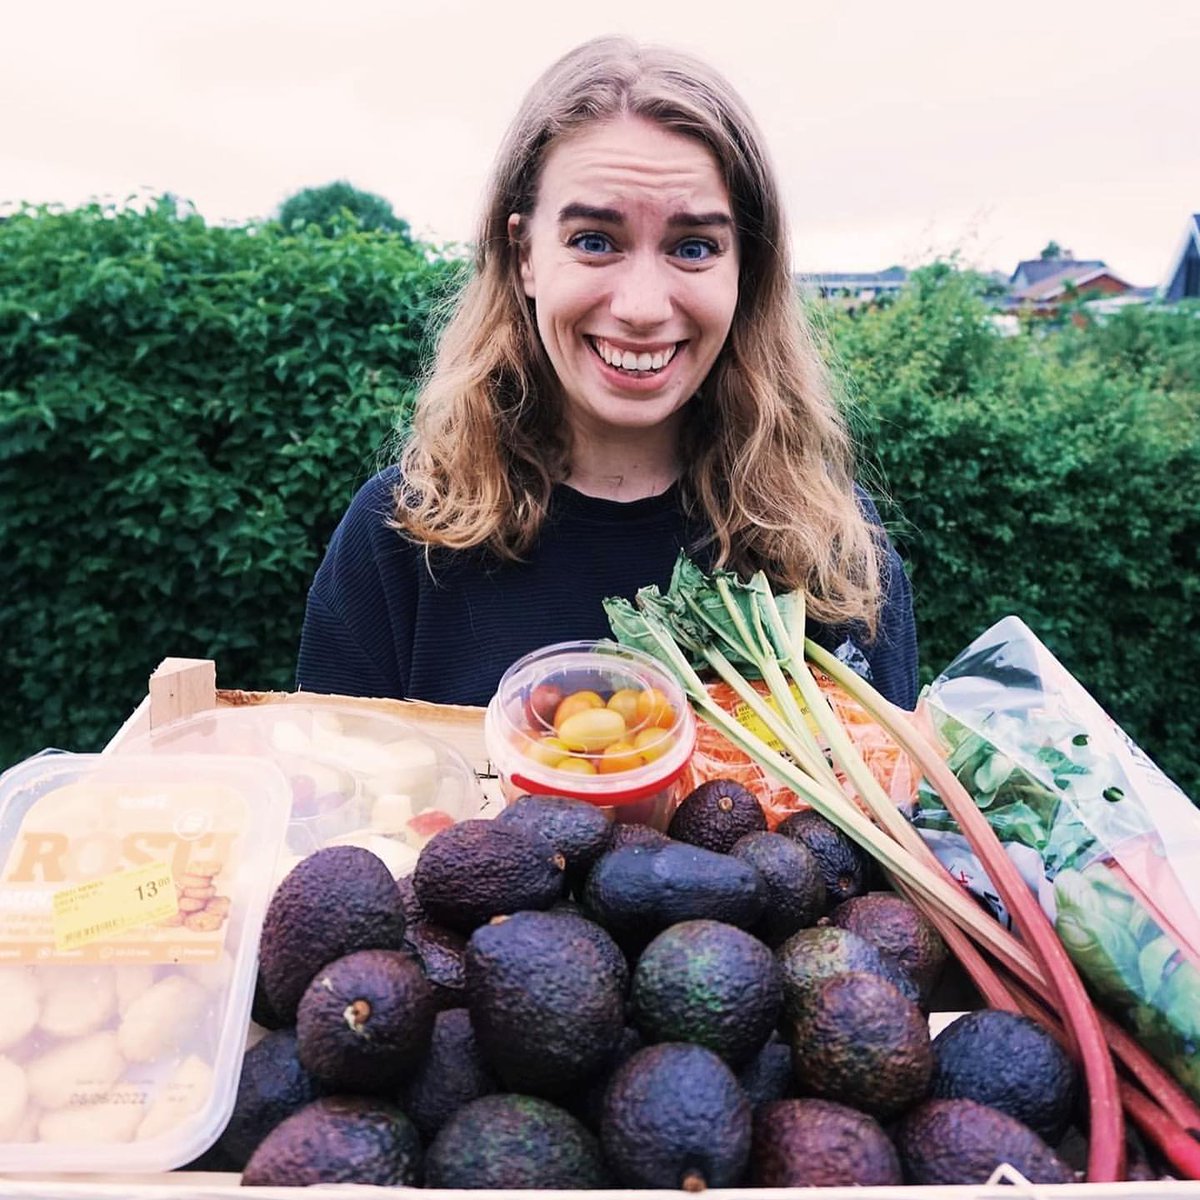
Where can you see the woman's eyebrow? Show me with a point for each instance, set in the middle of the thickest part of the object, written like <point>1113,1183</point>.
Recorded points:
<point>697,220</point>
<point>611,216</point>
<point>588,212</point>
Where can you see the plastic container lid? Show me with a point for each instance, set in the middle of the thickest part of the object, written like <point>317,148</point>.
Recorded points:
<point>516,727</point>
<point>355,776</point>
<point>132,895</point>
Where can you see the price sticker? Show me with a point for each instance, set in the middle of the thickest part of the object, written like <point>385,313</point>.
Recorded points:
<point>749,719</point>
<point>102,908</point>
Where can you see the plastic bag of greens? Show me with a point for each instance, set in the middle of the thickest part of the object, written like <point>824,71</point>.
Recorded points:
<point>1108,843</point>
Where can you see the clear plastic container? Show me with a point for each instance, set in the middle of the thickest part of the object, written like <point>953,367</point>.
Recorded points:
<point>356,776</point>
<point>595,721</point>
<point>131,902</point>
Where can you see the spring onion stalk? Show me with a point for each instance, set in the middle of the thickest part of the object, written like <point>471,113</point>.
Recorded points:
<point>722,620</point>
<point>633,628</point>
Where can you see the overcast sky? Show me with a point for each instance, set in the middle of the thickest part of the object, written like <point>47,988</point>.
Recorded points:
<point>900,130</point>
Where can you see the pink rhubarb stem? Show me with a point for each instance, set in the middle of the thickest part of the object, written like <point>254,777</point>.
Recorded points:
<point>1106,1143</point>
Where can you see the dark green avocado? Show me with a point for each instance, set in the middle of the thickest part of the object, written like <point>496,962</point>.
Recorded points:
<point>845,867</point>
<point>715,814</point>
<point>818,1143</point>
<point>947,1142</point>
<point>475,870</point>
<point>588,1105</point>
<point>614,959</point>
<point>335,901</point>
<point>709,983</point>
<point>261,1012</point>
<point>675,1116</point>
<point>547,1003</point>
<point>440,953</point>
<point>812,955</point>
<point>272,1086</point>
<point>514,1141</point>
<point>1008,1062</point>
<point>365,1021</point>
<point>339,1139</point>
<point>637,892</point>
<point>794,883</point>
<point>901,931</point>
<point>635,833</point>
<point>856,1040</point>
<point>452,1074</point>
<point>579,831</point>
<point>768,1075</point>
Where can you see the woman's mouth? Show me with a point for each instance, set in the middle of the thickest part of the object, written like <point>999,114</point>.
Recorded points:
<point>638,364</point>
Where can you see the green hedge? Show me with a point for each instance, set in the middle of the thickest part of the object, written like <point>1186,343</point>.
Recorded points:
<point>185,411</point>
<point>1055,476</point>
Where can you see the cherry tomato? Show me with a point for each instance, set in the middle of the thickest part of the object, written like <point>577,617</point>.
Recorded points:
<point>549,751</point>
<point>575,702</point>
<point>577,766</point>
<point>541,704</point>
<point>654,708</point>
<point>652,743</point>
<point>591,729</point>
<point>620,756</point>
<point>625,701</point>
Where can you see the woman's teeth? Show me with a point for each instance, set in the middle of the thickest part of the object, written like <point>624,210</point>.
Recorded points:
<point>626,360</point>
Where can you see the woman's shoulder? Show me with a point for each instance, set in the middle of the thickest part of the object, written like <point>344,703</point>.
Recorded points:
<point>377,496</point>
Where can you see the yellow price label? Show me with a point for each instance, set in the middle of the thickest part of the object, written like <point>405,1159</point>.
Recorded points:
<point>102,908</point>
<point>749,719</point>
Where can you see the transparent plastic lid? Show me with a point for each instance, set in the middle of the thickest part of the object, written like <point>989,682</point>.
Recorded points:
<point>354,776</point>
<point>592,720</point>
<point>132,895</point>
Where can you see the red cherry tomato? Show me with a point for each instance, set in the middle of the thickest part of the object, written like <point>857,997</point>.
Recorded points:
<point>541,705</point>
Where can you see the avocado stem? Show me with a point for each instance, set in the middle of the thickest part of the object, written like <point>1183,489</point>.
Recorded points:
<point>357,1014</point>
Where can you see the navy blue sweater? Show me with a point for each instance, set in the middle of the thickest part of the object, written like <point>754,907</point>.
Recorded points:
<point>381,622</point>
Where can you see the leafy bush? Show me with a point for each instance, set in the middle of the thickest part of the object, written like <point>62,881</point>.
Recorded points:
<point>185,412</point>
<point>1056,477</point>
<point>335,205</point>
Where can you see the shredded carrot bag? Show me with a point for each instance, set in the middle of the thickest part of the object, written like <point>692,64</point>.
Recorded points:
<point>717,758</point>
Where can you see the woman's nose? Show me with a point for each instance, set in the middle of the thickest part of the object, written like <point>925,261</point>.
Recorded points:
<point>641,295</point>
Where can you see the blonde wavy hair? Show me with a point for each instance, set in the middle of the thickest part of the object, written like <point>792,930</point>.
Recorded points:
<point>769,462</point>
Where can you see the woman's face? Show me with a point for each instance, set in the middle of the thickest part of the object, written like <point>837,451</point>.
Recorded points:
<point>631,259</point>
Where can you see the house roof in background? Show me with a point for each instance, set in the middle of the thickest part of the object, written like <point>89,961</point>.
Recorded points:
<point>1056,284</point>
<point>893,275</point>
<point>1038,269</point>
<point>1191,236</point>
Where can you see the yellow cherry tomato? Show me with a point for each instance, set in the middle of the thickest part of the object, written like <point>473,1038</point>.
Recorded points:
<point>577,766</point>
<point>575,702</point>
<point>591,729</point>
<point>654,708</point>
<point>625,701</point>
<point>620,756</point>
<point>652,743</point>
<point>549,751</point>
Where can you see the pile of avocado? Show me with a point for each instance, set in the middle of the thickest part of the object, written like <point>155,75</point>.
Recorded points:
<point>552,1000</point>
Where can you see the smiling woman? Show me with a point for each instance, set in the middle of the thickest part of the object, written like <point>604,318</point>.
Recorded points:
<point>626,375</point>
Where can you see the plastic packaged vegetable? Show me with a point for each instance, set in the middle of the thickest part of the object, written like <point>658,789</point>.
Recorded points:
<point>715,757</point>
<point>1108,843</point>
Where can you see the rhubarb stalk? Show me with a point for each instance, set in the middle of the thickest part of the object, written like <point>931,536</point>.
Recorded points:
<point>1106,1145</point>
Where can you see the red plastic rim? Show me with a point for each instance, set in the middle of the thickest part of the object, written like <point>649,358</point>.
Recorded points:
<point>609,799</point>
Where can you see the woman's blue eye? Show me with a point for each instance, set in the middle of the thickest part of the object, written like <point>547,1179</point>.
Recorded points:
<point>592,243</point>
<point>695,250</point>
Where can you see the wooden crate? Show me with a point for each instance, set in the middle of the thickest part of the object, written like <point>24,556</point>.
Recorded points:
<point>186,687</point>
